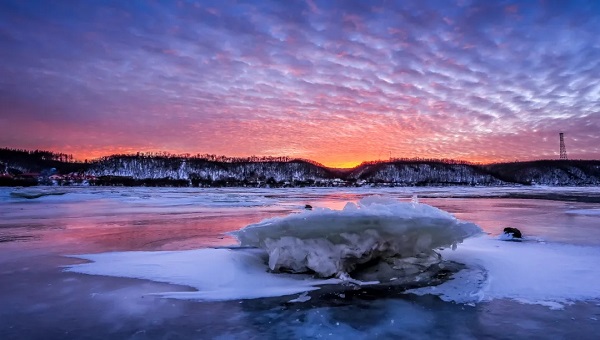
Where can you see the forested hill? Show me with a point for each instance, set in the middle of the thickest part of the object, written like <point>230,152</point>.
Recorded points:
<point>548,172</point>
<point>448,172</point>
<point>46,167</point>
<point>16,161</point>
<point>215,170</point>
<point>424,172</point>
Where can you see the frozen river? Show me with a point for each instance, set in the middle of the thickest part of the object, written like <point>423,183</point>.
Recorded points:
<point>544,287</point>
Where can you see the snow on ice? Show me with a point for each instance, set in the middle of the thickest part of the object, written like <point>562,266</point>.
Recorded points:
<point>217,274</point>
<point>587,212</point>
<point>529,272</point>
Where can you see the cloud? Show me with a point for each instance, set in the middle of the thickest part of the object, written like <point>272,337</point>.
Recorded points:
<point>335,81</point>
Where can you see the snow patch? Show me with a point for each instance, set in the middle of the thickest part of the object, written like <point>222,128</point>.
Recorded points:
<point>587,212</point>
<point>216,274</point>
<point>509,237</point>
<point>548,274</point>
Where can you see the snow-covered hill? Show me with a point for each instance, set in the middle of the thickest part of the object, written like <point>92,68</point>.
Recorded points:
<point>424,173</point>
<point>208,172</point>
<point>549,172</point>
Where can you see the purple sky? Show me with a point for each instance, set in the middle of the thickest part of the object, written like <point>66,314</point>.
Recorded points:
<point>338,82</point>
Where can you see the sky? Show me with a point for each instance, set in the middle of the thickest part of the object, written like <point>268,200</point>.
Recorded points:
<point>337,82</point>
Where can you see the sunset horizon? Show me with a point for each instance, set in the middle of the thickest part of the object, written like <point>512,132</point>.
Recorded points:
<point>343,165</point>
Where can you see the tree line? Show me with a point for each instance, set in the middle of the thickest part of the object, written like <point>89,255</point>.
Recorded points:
<point>405,160</point>
<point>40,155</point>
<point>207,158</point>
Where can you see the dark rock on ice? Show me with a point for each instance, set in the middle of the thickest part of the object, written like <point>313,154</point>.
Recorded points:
<point>516,233</point>
<point>308,207</point>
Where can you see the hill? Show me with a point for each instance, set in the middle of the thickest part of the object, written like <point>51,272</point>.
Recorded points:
<point>21,167</point>
<point>548,172</point>
<point>426,172</point>
<point>214,171</point>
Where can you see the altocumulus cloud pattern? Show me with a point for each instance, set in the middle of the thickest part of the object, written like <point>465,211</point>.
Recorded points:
<point>335,81</point>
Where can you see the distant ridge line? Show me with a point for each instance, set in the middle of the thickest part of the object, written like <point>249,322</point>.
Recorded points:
<point>68,158</point>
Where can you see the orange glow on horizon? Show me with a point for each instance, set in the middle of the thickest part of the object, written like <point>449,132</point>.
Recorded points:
<point>334,161</point>
<point>91,155</point>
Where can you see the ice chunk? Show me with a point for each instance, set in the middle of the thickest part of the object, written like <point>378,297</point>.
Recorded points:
<point>333,242</point>
<point>302,298</point>
<point>36,193</point>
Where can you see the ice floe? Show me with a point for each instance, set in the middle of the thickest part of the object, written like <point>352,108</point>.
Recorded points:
<point>334,242</point>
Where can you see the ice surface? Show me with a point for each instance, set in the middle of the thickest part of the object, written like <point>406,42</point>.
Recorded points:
<point>588,212</point>
<point>325,241</point>
<point>217,274</point>
<point>549,274</point>
<point>509,237</point>
<point>334,242</point>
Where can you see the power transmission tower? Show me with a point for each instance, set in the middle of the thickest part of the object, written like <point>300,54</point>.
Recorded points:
<point>563,148</point>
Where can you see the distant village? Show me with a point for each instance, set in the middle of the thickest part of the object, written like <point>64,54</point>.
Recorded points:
<point>79,179</point>
<point>35,178</point>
